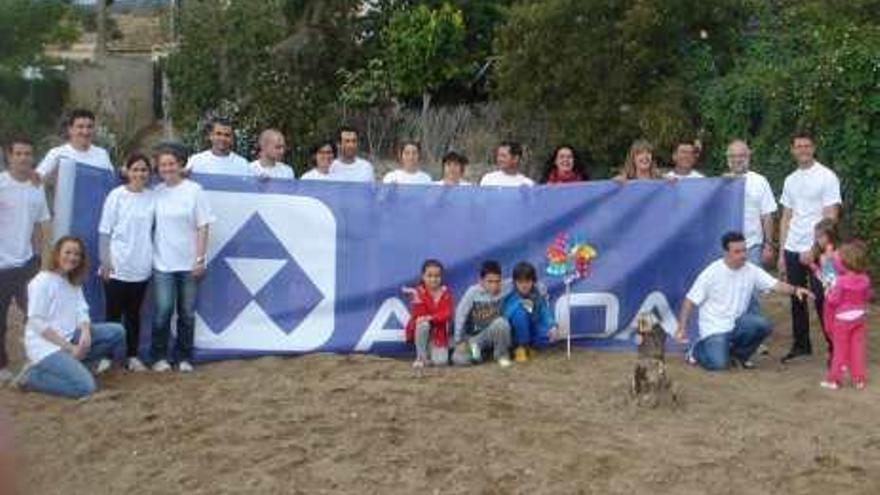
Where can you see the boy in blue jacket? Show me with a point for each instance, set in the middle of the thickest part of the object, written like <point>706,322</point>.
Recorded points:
<point>527,308</point>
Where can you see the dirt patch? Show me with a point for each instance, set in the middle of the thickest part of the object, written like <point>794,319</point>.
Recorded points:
<point>362,424</point>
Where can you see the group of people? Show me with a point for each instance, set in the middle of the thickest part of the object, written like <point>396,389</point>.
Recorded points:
<point>154,232</point>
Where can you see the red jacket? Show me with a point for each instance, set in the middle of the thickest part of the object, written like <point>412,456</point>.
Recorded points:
<point>440,311</point>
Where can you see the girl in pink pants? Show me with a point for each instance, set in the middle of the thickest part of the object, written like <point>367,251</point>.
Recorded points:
<point>846,304</point>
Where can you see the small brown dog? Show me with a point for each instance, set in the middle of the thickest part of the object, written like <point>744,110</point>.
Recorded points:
<point>651,385</point>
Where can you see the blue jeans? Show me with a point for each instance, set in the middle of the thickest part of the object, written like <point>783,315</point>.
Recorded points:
<point>62,374</point>
<point>173,290</point>
<point>526,330</point>
<point>713,353</point>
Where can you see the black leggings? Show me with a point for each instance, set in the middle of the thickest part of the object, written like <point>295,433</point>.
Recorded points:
<point>124,300</point>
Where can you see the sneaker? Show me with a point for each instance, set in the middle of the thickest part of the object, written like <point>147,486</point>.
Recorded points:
<point>742,363</point>
<point>6,375</point>
<point>102,366</point>
<point>829,385</point>
<point>418,364</point>
<point>20,379</point>
<point>859,385</point>
<point>185,367</point>
<point>504,362</point>
<point>689,358</point>
<point>520,354</point>
<point>161,366</point>
<point>795,356</point>
<point>476,353</point>
<point>135,365</point>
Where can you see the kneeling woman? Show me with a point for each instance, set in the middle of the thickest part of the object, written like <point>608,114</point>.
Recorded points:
<point>62,345</point>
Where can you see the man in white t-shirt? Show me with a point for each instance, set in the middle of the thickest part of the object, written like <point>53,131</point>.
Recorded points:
<point>508,156</point>
<point>760,204</point>
<point>723,290</point>
<point>23,213</point>
<point>219,158</point>
<point>60,162</point>
<point>348,167</point>
<point>684,159</point>
<point>810,193</point>
<point>269,164</point>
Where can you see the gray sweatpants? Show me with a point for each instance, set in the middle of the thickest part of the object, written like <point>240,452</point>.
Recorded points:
<point>424,348</point>
<point>496,336</point>
<point>13,285</point>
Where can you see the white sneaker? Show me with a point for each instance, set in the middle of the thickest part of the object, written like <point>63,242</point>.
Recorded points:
<point>185,367</point>
<point>102,366</point>
<point>6,375</point>
<point>135,365</point>
<point>161,366</point>
<point>829,385</point>
<point>504,362</point>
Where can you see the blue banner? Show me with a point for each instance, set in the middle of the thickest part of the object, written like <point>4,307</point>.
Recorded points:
<point>296,267</point>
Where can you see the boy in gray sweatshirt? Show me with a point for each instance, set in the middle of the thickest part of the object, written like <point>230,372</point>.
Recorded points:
<point>479,322</point>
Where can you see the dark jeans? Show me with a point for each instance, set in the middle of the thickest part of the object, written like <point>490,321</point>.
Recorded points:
<point>13,285</point>
<point>713,353</point>
<point>124,300</point>
<point>173,290</point>
<point>800,275</point>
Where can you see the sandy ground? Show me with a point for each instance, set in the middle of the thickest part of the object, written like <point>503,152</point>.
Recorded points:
<point>359,424</point>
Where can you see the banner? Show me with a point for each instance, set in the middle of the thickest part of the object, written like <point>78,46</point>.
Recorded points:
<point>297,267</point>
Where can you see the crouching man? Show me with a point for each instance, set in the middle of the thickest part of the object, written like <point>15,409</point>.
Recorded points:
<point>727,331</point>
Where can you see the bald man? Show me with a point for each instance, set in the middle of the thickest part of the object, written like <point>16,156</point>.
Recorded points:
<point>272,149</point>
<point>759,204</point>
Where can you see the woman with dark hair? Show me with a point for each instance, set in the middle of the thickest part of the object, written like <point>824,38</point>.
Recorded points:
<point>565,165</point>
<point>322,155</point>
<point>408,156</point>
<point>126,251</point>
<point>60,341</point>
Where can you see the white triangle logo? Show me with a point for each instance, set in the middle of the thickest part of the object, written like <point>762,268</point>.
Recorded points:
<point>255,273</point>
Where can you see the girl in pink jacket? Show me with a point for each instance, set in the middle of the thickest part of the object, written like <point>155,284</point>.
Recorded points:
<point>846,306</point>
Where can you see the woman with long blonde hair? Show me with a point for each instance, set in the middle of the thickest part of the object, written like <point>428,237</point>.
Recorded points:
<point>640,163</point>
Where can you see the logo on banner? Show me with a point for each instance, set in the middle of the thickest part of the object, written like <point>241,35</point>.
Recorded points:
<point>270,280</point>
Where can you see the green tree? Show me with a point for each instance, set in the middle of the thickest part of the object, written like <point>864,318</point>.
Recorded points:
<point>422,49</point>
<point>603,73</point>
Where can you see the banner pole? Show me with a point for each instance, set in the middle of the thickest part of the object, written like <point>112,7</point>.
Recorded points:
<point>568,317</point>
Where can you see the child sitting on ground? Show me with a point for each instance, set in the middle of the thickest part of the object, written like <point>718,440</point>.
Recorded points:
<point>479,323</point>
<point>846,321</point>
<point>528,311</point>
<point>431,312</point>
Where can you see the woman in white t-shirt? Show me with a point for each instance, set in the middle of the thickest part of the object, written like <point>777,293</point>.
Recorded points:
<point>180,243</point>
<point>323,155</point>
<point>60,341</point>
<point>408,157</point>
<point>126,251</point>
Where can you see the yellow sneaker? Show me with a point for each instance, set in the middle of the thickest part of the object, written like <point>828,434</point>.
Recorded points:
<point>520,354</point>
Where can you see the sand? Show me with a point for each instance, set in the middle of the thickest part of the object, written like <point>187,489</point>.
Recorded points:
<point>360,424</point>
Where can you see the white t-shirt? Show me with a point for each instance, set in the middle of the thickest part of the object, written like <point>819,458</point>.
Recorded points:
<point>400,176</point>
<point>278,171</point>
<point>314,174</point>
<point>723,294</point>
<point>460,183</point>
<point>806,192</point>
<point>501,178</point>
<point>693,174</point>
<point>128,219</point>
<point>207,162</point>
<point>54,303</point>
<point>22,205</point>
<point>358,171</point>
<point>759,201</point>
<point>180,211</point>
<point>95,156</point>
<point>63,160</point>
